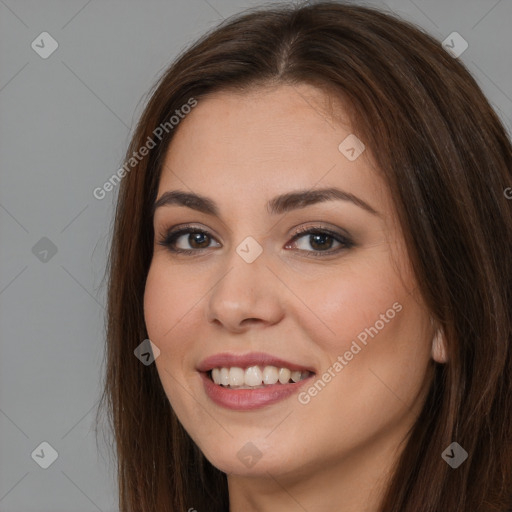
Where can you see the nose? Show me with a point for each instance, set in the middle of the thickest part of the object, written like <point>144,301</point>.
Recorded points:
<point>247,295</point>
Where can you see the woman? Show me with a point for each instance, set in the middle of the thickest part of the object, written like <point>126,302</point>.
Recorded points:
<point>313,231</point>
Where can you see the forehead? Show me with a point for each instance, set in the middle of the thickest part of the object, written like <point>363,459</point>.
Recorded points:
<point>267,141</point>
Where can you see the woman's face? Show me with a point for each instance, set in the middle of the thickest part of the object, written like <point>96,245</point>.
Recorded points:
<point>257,295</point>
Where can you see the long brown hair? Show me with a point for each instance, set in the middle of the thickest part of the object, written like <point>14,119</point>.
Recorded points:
<point>447,161</point>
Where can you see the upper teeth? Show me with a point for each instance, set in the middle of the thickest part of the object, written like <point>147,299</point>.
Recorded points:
<point>255,376</point>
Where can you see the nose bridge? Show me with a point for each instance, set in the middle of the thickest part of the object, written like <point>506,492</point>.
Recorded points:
<point>246,289</point>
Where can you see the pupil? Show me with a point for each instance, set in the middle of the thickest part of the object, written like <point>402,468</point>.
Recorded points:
<point>196,238</point>
<point>317,237</point>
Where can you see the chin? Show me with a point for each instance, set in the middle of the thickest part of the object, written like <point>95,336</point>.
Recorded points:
<point>257,457</point>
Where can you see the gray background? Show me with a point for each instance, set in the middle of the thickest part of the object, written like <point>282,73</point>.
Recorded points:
<point>65,122</point>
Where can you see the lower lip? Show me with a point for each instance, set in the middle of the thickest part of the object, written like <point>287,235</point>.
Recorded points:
<point>248,399</point>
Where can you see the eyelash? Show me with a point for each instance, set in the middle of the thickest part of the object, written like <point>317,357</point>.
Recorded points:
<point>170,238</point>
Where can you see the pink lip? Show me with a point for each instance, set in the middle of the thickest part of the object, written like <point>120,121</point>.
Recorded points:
<point>248,399</point>
<point>227,360</point>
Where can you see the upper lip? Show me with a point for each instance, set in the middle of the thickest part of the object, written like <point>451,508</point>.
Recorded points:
<point>228,360</point>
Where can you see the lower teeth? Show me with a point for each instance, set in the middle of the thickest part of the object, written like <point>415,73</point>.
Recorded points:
<point>253,387</point>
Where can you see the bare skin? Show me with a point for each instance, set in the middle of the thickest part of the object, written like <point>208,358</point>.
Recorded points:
<point>335,449</point>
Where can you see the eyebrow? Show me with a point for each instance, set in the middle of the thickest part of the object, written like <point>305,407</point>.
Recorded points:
<point>278,205</point>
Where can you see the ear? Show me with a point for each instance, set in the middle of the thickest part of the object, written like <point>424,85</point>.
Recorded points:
<point>439,351</point>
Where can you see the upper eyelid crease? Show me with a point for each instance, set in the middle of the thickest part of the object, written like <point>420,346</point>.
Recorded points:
<point>278,205</point>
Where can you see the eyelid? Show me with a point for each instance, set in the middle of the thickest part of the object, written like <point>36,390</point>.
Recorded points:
<point>345,241</point>
<point>176,232</point>
<point>173,233</point>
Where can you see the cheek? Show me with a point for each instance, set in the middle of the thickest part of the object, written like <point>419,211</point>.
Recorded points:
<point>168,310</point>
<point>352,302</point>
<point>370,318</point>
<point>168,298</point>
<point>381,334</point>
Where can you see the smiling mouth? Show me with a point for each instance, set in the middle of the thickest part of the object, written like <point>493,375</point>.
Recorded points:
<point>255,377</point>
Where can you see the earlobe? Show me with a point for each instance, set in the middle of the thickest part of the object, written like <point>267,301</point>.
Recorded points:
<point>439,352</point>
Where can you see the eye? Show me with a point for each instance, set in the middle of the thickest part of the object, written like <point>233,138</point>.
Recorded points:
<point>196,238</point>
<point>319,239</point>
